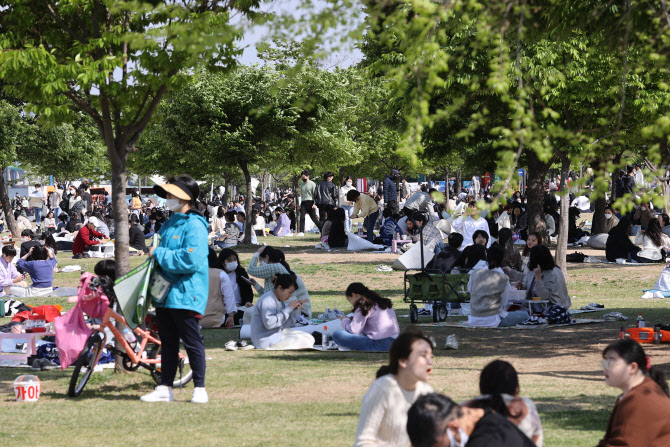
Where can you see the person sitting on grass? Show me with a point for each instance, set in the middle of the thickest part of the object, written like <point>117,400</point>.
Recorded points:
<point>389,227</point>
<point>544,279</point>
<point>231,232</point>
<point>240,295</point>
<point>9,275</point>
<point>489,295</point>
<point>374,325</point>
<point>500,377</point>
<point>383,415</point>
<point>273,262</point>
<point>619,245</point>
<point>41,271</point>
<point>283,227</point>
<point>337,238</point>
<point>534,238</point>
<point>513,259</point>
<point>446,255</point>
<point>87,237</point>
<point>481,237</point>
<point>653,242</point>
<point>434,420</point>
<point>274,316</point>
<point>641,415</point>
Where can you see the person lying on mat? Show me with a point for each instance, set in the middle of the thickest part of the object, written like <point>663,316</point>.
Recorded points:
<point>383,416</point>
<point>274,315</point>
<point>489,294</point>
<point>544,279</point>
<point>374,325</point>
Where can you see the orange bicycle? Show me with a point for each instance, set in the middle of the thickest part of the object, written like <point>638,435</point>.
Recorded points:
<point>146,352</point>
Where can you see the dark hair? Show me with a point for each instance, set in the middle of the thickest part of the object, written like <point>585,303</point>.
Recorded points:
<point>133,219</point>
<point>427,415</point>
<point>632,352</point>
<point>9,250</point>
<point>284,281</point>
<point>388,212</point>
<point>348,177</point>
<point>666,219</point>
<point>455,240</point>
<point>512,217</point>
<point>470,256</point>
<point>540,241</point>
<point>480,233</point>
<point>328,174</point>
<point>220,212</point>
<point>106,272</point>
<point>192,186</point>
<point>353,195</point>
<point>50,242</point>
<point>540,255</point>
<point>401,348</point>
<point>623,225</point>
<point>74,215</point>
<point>40,253</point>
<point>27,232</point>
<point>212,260</point>
<point>654,232</point>
<point>499,377</point>
<point>230,216</point>
<point>369,298</point>
<point>305,172</point>
<point>277,256</point>
<point>493,402</point>
<point>225,254</point>
<point>63,217</point>
<point>495,256</point>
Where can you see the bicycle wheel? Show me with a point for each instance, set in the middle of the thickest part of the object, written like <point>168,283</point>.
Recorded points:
<point>184,372</point>
<point>84,365</point>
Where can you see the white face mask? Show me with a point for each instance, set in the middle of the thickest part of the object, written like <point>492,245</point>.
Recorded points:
<point>230,266</point>
<point>608,216</point>
<point>452,439</point>
<point>350,183</point>
<point>173,204</point>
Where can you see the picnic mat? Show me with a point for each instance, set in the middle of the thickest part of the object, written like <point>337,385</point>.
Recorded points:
<point>57,292</point>
<point>572,311</point>
<point>464,324</point>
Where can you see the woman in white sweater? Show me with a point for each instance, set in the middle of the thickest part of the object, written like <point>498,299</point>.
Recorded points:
<point>383,418</point>
<point>653,240</point>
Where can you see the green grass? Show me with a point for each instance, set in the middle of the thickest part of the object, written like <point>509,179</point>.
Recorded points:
<point>264,398</point>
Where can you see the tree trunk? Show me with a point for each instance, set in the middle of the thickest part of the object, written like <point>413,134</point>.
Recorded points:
<point>342,175</point>
<point>458,181</point>
<point>7,206</point>
<point>615,177</point>
<point>294,185</point>
<point>247,204</point>
<point>562,243</point>
<point>537,171</point>
<point>598,225</point>
<point>226,192</point>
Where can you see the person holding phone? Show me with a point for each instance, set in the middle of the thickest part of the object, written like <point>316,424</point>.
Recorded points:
<point>374,325</point>
<point>236,287</point>
<point>274,315</point>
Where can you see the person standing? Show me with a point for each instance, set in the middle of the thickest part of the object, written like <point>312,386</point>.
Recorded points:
<point>325,196</point>
<point>181,258</point>
<point>345,204</point>
<point>475,188</point>
<point>391,192</point>
<point>37,200</point>
<point>56,198</point>
<point>307,204</point>
<point>405,191</point>
<point>365,206</point>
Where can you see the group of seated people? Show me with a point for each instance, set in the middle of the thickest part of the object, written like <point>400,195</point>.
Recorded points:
<point>402,409</point>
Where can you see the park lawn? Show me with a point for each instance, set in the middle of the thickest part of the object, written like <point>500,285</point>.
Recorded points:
<point>309,398</point>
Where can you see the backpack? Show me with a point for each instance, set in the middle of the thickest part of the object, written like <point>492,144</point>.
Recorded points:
<point>558,315</point>
<point>575,257</point>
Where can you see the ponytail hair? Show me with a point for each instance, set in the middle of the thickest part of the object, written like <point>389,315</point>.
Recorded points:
<point>278,256</point>
<point>632,352</point>
<point>369,298</point>
<point>401,348</point>
<point>284,281</point>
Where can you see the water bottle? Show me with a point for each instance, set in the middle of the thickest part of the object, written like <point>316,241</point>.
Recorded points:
<point>640,321</point>
<point>324,339</point>
<point>129,337</point>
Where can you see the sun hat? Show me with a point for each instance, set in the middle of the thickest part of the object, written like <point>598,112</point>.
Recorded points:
<point>176,188</point>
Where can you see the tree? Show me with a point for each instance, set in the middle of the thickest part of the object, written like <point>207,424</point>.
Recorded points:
<point>113,60</point>
<point>10,130</point>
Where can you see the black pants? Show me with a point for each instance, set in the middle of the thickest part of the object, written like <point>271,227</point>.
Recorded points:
<point>306,208</point>
<point>393,206</point>
<point>323,210</point>
<point>173,325</point>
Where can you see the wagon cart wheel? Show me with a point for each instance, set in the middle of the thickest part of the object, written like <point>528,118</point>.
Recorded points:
<point>441,312</point>
<point>436,312</point>
<point>413,313</point>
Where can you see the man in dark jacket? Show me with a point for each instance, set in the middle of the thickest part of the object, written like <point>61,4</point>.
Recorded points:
<point>628,180</point>
<point>136,234</point>
<point>391,191</point>
<point>325,196</point>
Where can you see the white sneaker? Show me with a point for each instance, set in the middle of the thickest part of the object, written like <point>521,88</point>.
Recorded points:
<point>162,393</point>
<point>199,396</point>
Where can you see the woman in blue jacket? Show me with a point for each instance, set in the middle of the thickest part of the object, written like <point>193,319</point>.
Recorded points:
<point>181,257</point>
